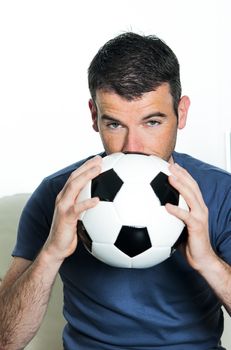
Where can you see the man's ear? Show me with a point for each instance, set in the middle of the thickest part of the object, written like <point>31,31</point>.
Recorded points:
<point>94,117</point>
<point>183,108</point>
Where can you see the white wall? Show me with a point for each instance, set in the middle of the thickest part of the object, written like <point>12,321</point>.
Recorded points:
<point>46,47</point>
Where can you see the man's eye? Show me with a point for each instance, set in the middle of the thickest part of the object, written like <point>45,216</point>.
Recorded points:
<point>113,125</point>
<point>153,122</point>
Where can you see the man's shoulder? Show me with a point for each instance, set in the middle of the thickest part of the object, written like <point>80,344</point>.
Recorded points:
<point>211,179</point>
<point>198,168</point>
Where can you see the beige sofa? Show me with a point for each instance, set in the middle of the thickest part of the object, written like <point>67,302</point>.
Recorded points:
<point>50,333</point>
<point>49,336</point>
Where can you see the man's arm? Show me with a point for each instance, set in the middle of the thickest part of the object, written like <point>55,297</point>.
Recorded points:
<point>24,296</point>
<point>25,291</point>
<point>198,250</point>
<point>218,274</point>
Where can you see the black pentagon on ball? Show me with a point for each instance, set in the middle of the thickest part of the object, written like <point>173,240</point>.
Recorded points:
<point>164,191</point>
<point>133,240</point>
<point>84,236</point>
<point>106,185</point>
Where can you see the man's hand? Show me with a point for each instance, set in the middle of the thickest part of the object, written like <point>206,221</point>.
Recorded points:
<point>197,249</point>
<point>62,240</point>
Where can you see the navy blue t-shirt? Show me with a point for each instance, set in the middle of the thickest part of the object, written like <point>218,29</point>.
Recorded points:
<point>165,307</point>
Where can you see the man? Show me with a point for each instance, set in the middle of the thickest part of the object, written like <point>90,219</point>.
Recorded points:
<point>136,105</point>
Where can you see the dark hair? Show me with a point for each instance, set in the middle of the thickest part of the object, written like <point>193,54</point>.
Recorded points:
<point>132,64</point>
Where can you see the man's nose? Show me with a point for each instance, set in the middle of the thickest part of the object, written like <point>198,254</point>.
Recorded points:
<point>133,142</point>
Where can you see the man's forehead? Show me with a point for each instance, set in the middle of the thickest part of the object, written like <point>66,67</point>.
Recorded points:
<point>107,100</point>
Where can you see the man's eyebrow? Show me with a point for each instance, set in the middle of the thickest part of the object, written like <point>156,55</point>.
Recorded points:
<point>155,114</point>
<point>151,115</point>
<point>109,118</point>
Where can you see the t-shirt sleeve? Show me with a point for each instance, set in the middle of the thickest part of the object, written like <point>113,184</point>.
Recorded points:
<point>223,241</point>
<point>34,224</point>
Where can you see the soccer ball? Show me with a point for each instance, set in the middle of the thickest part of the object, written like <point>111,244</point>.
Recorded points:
<point>130,226</point>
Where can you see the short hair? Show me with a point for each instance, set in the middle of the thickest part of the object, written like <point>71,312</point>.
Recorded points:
<point>131,64</point>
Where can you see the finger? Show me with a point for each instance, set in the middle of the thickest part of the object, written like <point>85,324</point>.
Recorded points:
<point>93,162</point>
<point>71,191</point>
<point>180,213</point>
<point>193,219</point>
<point>187,191</point>
<point>89,164</point>
<point>186,186</point>
<point>80,207</point>
<point>72,212</point>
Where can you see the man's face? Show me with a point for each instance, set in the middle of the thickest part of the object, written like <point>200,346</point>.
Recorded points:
<point>147,125</point>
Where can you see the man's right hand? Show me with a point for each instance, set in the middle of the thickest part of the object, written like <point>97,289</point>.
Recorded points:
<point>62,240</point>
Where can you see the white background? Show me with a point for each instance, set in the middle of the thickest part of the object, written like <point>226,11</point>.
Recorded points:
<point>46,47</point>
